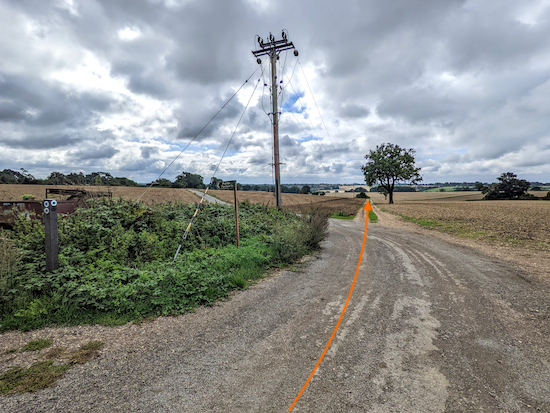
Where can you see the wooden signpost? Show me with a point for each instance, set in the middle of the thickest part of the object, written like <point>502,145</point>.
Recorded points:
<point>233,185</point>
<point>52,235</point>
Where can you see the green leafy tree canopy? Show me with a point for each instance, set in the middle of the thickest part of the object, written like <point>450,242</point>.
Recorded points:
<point>389,164</point>
<point>507,187</point>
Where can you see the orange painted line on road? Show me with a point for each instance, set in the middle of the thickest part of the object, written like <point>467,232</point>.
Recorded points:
<point>367,208</point>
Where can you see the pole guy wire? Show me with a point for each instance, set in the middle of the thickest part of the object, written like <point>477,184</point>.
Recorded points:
<point>310,91</point>
<point>197,135</point>
<point>186,233</point>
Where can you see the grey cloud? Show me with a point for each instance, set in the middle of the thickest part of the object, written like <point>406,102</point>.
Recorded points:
<point>41,141</point>
<point>352,110</point>
<point>142,165</point>
<point>147,151</point>
<point>192,120</point>
<point>444,76</point>
<point>244,141</point>
<point>259,159</point>
<point>102,152</point>
<point>9,111</point>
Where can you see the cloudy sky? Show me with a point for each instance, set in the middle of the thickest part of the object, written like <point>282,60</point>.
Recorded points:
<point>124,85</point>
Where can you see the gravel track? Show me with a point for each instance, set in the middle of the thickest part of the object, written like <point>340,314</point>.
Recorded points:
<point>431,327</point>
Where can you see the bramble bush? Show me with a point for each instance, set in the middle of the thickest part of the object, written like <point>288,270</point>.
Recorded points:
<point>116,260</point>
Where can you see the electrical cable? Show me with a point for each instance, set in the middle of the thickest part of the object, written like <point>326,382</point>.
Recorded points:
<point>184,236</point>
<point>309,87</point>
<point>197,135</point>
<point>289,82</point>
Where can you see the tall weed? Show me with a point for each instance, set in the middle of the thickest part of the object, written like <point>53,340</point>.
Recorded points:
<point>10,259</point>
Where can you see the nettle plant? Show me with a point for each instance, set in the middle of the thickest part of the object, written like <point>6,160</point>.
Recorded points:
<point>116,260</point>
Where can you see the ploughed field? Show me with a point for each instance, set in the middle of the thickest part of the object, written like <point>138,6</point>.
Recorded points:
<point>524,223</point>
<point>151,196</point>
<point>295,202</point>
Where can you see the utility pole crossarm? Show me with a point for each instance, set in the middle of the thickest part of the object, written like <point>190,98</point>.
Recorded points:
<point>279,44</point>
<point>272,49</point>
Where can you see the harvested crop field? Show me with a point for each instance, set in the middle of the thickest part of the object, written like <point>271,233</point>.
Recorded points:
<point>400,197</point>
<point>522,223</point>
<point>152,196</point>
<point>295,202</point>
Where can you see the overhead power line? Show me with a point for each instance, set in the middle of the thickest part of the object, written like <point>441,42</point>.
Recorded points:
<point>184,236</point>
<point>310,91</point>
<point>197,135</point>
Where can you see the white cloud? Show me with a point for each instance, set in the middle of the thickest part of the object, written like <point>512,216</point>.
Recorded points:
<point>129,33</point>
<point>118,86</point>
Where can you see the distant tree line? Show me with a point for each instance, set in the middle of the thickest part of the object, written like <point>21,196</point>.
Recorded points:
<point>184,180</point>
<point>9,176</point>
<point>398,188</point>
<point>294,189</point>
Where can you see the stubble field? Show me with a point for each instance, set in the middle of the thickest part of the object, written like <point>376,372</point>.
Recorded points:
<point>520,223</point>
<point>150,196</point>
<point>295,202</point>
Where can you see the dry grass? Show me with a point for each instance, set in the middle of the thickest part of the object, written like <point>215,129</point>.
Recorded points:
<point>152,196</point>
<point>10,258</point>
<point>85,353</point>
<point>523,223</point>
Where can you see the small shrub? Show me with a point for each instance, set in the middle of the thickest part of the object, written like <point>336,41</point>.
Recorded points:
<point>27,197</point>
<point>361,195</point>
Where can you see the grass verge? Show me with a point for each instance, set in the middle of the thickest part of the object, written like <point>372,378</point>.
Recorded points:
<point>373,217</point>
<point>342,215</point>
<point>45,374</point>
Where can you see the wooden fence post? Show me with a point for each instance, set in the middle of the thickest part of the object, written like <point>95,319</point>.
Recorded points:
<point>52,235</point>
<point>237,216</point>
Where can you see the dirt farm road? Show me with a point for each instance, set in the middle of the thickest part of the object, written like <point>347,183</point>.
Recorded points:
<point>431,327</point>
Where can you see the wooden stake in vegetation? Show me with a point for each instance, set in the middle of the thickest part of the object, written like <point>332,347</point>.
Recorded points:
<point>52,235</point>
<point>228,185</point>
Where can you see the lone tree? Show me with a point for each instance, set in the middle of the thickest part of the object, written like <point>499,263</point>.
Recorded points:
<point>507,187</point>
<point>388,165</point>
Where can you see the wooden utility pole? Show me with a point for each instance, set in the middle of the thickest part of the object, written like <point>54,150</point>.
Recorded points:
<point>272,48</point>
